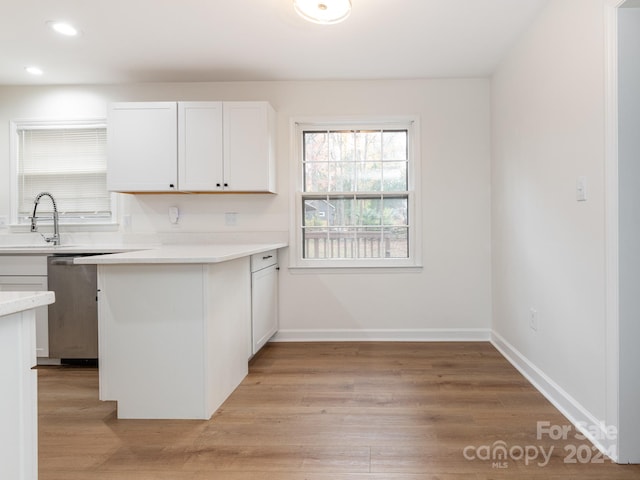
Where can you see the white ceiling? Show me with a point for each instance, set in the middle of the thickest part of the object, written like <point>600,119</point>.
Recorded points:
<point>129,41</point>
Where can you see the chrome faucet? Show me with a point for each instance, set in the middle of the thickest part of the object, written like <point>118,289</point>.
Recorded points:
<point>55,239</point>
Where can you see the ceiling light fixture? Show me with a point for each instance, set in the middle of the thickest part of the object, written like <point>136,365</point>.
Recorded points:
<point>63,28</point>
<point>325,12</point>
<point>34,70</point>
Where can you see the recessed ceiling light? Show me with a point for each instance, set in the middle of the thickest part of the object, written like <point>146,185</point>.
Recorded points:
<point>325,12</point>
<point>33,70</point>
<point>63,28</point>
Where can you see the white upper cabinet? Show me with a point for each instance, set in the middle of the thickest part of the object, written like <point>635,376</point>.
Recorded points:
<point>200,153</point>
<point>207,146</point>
<point>249,147</point>
<point>141,147</point>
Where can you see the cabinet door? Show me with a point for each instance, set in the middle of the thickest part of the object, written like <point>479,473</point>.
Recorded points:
<point>142,152</point>
<point>32,284</point>
<point>264,306</point>
<point>249,147</point>
<point>200,146</point>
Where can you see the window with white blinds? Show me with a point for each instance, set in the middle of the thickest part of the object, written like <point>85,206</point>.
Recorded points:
<point>67,160</point>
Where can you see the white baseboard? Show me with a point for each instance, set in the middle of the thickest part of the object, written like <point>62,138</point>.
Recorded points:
<point>582,420</point>
<point>385,335</point>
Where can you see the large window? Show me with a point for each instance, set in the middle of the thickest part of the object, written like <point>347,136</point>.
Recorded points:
<point>66,159</point>
<point>356,196</point>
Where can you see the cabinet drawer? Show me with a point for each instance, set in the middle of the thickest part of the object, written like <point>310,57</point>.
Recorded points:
<point>263,260</point>
<point>17,265</point>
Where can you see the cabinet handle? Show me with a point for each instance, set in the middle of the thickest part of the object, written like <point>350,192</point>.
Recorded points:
<point>218,185</point>
<point>267,257</point>
<point>226,184</point>
<point>171,185</point>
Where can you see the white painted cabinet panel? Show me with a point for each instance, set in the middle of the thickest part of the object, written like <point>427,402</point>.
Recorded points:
<point>142,147</point>
<point>200,146</point>
<point>249,147</point>
<point>19,398</point>
<point>264,298</point>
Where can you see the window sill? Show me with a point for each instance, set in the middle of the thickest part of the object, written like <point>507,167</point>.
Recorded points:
<point>375,269</point>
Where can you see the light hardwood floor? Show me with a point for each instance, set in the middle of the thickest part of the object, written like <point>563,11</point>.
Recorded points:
<point>320,411</point>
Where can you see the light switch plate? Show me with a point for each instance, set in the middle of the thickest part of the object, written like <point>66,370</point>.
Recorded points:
<point>581,189</point>
<point>4,222</point>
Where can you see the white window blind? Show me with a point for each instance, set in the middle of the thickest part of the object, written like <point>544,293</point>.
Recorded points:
<point>68,161</point>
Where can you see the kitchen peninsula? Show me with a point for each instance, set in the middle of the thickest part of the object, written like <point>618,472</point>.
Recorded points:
<point>19,398</point>
<point>174,327</point>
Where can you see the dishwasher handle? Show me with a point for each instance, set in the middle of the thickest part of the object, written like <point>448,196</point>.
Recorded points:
<point>62,260</point>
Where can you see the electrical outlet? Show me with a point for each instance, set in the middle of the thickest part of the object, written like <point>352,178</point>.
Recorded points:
<point>230,219</point>
<point>4,221</point>
<point>533,320</point>
<point>174,215</point>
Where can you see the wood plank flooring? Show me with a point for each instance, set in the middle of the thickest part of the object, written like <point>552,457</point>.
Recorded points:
<point>320,411</point>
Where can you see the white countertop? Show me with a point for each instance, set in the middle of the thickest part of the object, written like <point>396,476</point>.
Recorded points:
<point>182,254</point>
<point>14,302</point>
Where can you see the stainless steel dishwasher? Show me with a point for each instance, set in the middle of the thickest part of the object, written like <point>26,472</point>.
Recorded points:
<point>73,318</point>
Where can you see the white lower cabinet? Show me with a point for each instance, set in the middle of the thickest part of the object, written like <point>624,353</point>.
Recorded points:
<point>264,298</point>
<point>172,337</point>
<point>28,273</point>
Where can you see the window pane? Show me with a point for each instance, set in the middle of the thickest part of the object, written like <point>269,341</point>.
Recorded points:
<point>369,146</point>
<point>342,177</point>
<point>395,211</point>
<point>371,243</point>
<point>316,213</point>
<point>316,147</point>
<point>316,177</point>
<point>315,242</point>
<point>369,176</point>
<point>369,211</point>
<point>394,176</point>
<point>395,145</point>
<point>397,242</point>
<point>341,243</point>
<point>341,211</point>
<point>342,146</point>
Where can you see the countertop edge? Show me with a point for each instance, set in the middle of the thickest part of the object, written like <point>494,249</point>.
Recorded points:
<point>45,250</point>
<point>181,254</point>
<point>15,302</point>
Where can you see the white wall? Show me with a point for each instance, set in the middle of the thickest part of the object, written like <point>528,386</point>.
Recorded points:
<point>549,249</point>
<point>453,290</point>
<point>629,230</point>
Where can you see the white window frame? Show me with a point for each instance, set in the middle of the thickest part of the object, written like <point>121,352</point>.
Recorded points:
<point>409,123</point>
<point>77,224</point>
